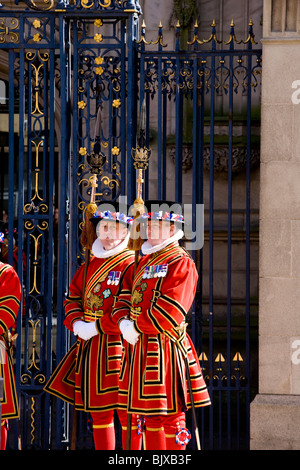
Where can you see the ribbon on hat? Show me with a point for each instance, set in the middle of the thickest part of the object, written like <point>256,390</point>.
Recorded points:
<point>1,237</point>
<point>162,215</point>
<point>118,216</point>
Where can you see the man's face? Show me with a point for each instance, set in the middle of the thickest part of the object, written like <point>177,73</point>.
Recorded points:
<point>159,231</point>
<point>111,233</point>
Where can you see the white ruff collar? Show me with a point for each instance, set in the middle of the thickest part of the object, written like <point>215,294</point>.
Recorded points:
<point>100,252</point>
<point>148,249</point>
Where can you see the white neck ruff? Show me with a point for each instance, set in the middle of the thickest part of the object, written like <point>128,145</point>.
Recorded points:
<point>148,249</point>
<point>100,252</point>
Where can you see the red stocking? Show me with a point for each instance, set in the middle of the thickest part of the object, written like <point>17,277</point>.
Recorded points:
<point>4,427</point>
<point>104,430</point>
<point>154,435</point>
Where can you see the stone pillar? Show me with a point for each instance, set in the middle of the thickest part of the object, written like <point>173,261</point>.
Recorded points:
<point>275,411</point>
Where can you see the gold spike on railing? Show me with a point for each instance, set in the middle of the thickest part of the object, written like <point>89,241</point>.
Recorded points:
<point>159,39</point>
<point>203,357</point>
<point>237,357</point>
<point>212,37</point>
<point>232,37</point>
<point>250,37</point>
<point>143,35</point>
<point>220,358</point>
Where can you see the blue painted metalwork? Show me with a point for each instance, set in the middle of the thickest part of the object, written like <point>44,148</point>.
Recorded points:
<point>67,61</point>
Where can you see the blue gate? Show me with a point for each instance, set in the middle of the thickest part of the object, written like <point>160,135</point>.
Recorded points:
<point>76,75</point>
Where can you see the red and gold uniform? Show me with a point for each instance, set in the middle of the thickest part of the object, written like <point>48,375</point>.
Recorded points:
<point>88,376</point>
<point>10,297</point>
<point>155,385</point>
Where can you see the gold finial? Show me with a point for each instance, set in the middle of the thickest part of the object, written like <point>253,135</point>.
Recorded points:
<point>203,357</point>
<point>251,35</point>
<point>196,24</point>
<point>213,36</point>
<point>159,39</point>
<point>220,358</point>
<point>232,23</point>
<point>143,39</point>
<point>177,24</point>
<point>237,357</point>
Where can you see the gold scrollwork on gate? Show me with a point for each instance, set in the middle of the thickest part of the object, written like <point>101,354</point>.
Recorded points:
<point>7,31</point>
<point>29,226</point>
<point>48,5</point>
<point>33,371</point>
<point>87,4</point>
<point>35,263</point>
<point>37,60</point>
<point>105,4</point>
<point>32,420</point>
<point>91,3</point>
<point>42,57</point>
<point>33,356</point>
<point>37,146</point>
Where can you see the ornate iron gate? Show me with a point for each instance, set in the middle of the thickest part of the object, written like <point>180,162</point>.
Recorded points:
<point>63,63</point>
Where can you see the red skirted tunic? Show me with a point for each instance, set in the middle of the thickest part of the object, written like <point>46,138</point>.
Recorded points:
<point>10,297</point>
<point>162,294</point>
<point>88,376</point>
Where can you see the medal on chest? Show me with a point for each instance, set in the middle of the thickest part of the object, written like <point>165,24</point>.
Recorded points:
<point>157,270</point>
<point>113,278</point>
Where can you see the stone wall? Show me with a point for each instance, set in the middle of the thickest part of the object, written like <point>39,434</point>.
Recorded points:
<point>275,411</point>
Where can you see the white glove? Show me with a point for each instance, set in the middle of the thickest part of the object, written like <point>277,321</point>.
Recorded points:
<point>85,330</point>
<point>129,332</point>
<point>76,326</point>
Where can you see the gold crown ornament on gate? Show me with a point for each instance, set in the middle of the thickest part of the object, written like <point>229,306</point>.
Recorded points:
<point>141,154</point>
<point>141,157</point>
<point>96,160</point>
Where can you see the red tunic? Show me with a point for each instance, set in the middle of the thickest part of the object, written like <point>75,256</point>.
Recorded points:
<point>157,376</point>
<point>10,297</point>
<point>88,376</point>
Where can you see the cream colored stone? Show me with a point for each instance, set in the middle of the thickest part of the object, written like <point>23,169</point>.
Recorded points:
<point>275,412</point>
<point>279,325</point>
<point>275,248</point>
<point>276,138</point>
<point>279,306</point>
<point>295,246</point>
<point>274,364</point>
<point>296,127</point>
<point>280,190</point>
<point>275,423</point>
<point>279,61</point>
